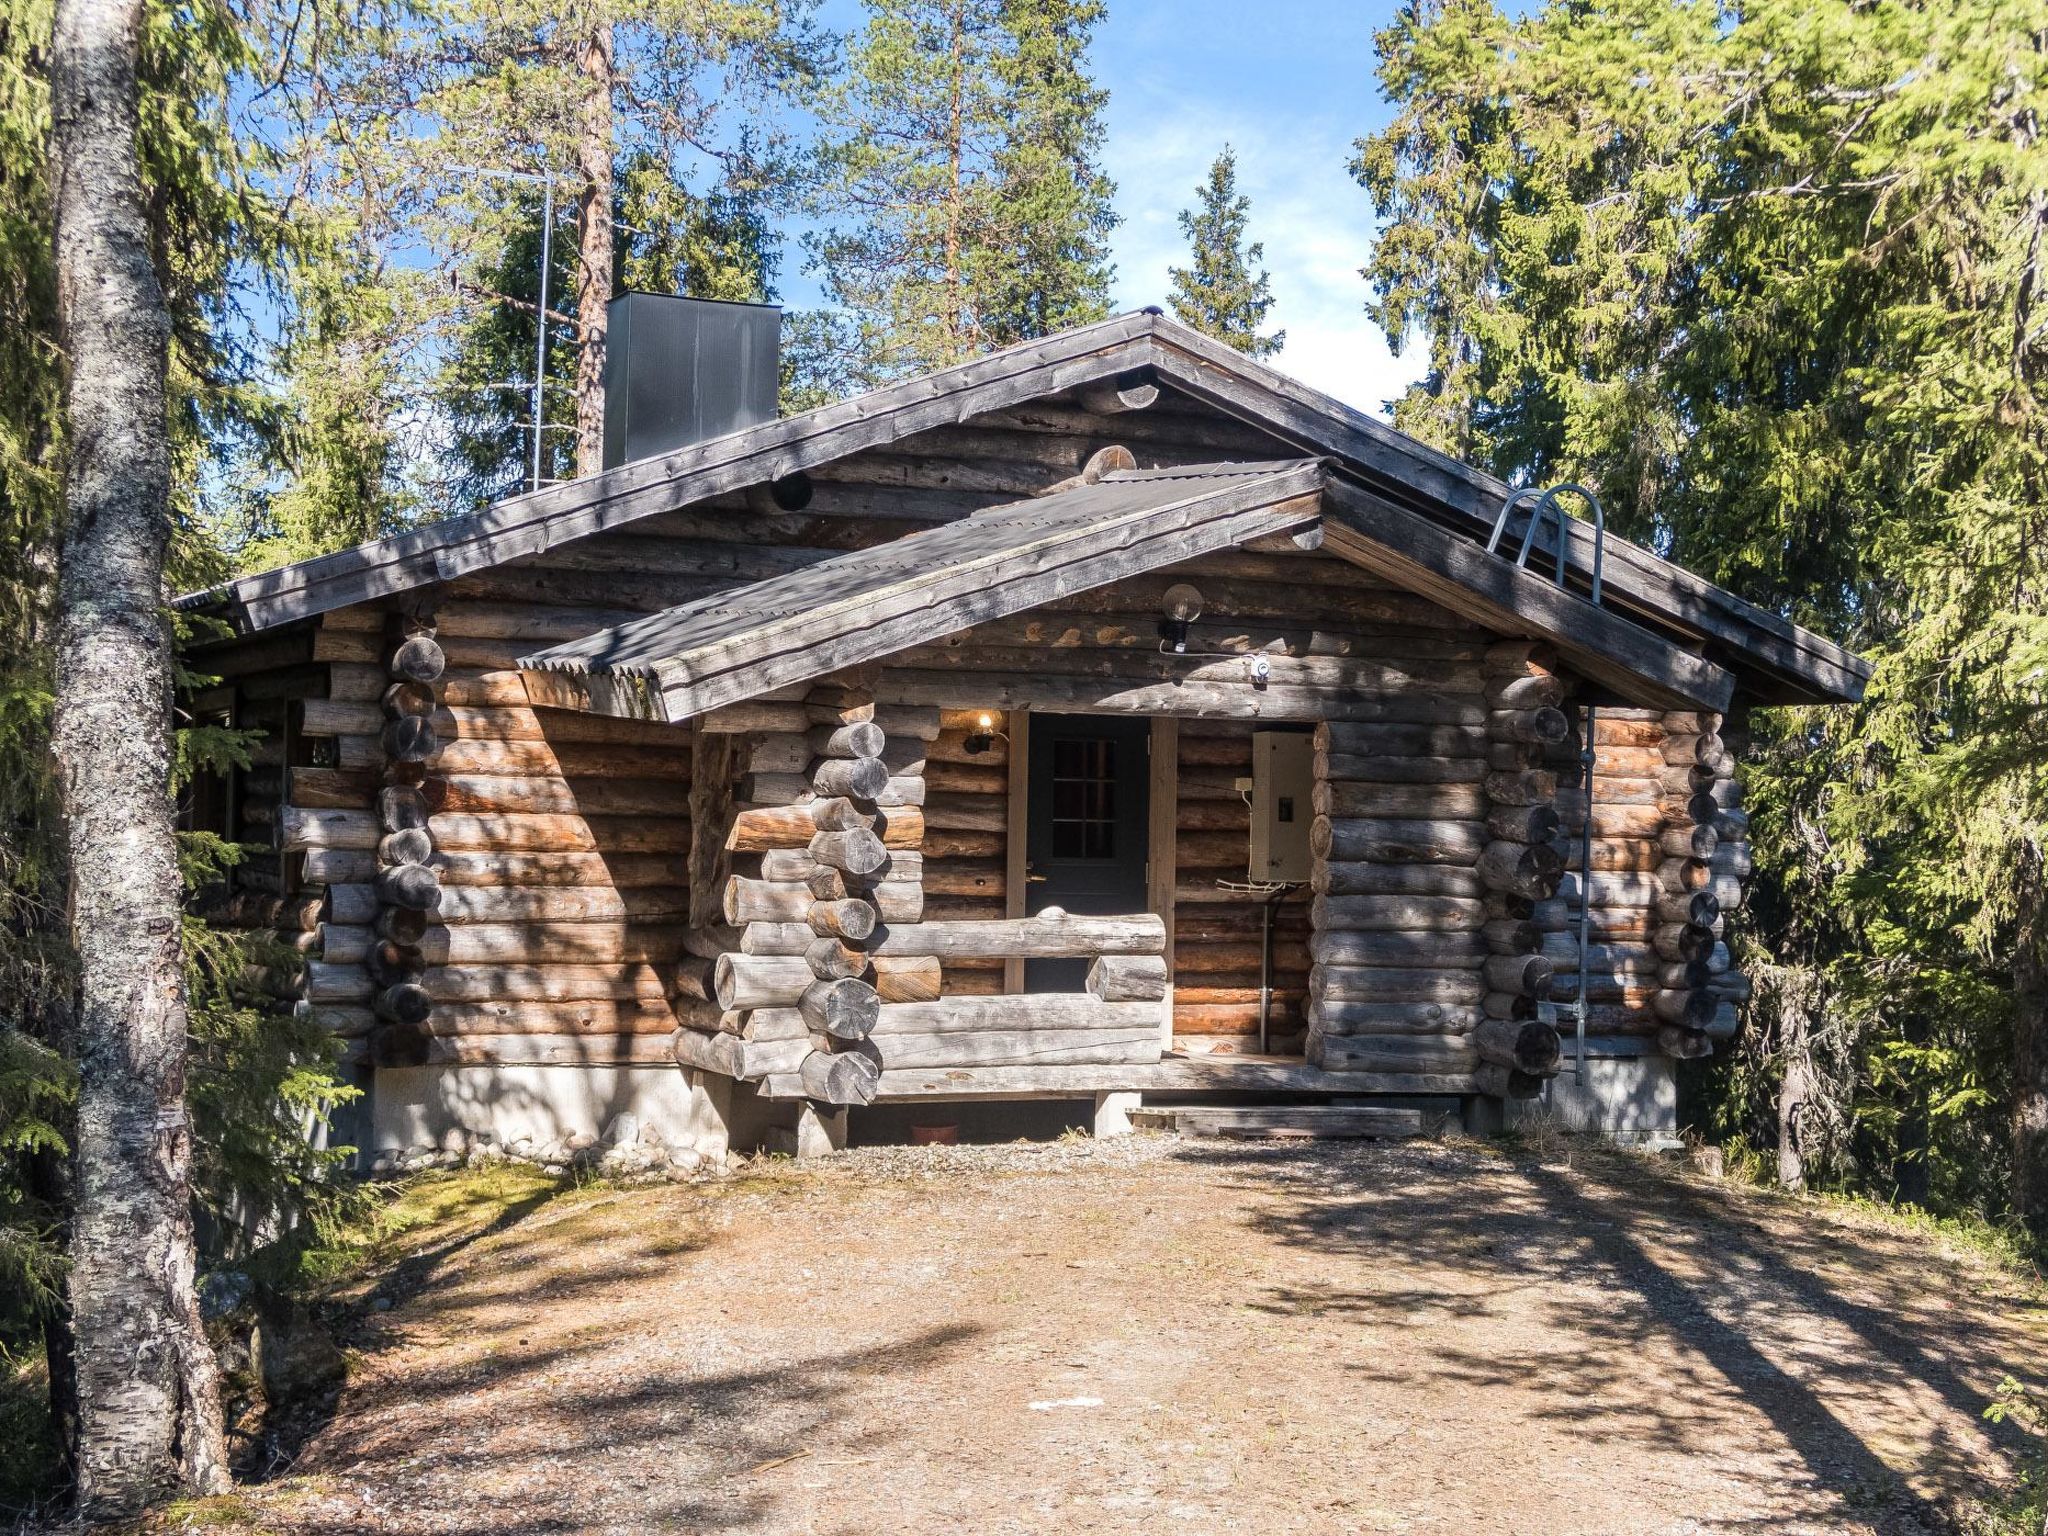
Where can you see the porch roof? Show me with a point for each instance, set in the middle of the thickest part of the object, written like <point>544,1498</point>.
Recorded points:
<point>869,604</point>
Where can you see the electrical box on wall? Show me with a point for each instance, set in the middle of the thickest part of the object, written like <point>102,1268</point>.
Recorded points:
<point>1283,772</point>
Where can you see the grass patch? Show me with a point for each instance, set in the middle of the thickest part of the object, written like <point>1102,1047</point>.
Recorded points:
<point>423,1211</point>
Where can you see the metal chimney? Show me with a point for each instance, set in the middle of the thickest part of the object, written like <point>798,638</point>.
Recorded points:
<point>681,371</point>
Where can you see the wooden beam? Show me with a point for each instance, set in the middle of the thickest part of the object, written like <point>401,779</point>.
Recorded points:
<point>1134,390</point>
<point>1404,547</point>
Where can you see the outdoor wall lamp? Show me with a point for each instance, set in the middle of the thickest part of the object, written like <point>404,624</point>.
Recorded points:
<point>1182,605</point>
<point>984,736</point>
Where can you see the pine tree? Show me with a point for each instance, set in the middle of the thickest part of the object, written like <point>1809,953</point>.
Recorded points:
<point>1216,293</point>
<point>964,209</point>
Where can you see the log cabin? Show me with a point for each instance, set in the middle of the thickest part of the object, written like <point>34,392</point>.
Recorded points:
<point>1110,718</point>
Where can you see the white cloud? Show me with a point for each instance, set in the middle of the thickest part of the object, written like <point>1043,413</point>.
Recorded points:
<point>1315,221</point>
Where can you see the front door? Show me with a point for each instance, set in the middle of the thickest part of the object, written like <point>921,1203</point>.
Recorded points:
<point>1085,848</point>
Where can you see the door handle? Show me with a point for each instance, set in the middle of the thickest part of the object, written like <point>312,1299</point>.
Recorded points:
<point>1031,879</point>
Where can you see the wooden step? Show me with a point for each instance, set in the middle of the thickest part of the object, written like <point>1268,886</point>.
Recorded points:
<point>1318,1122</point>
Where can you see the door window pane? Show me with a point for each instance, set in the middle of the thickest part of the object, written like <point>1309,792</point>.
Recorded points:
<point>1083,799</point>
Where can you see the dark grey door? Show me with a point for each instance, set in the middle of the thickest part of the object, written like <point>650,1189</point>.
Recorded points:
<point>1086,843</point>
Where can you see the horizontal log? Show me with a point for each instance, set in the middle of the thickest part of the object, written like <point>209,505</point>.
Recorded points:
<point>1425,950</point>
<point>1371,800</point>
<point>1369,740</point>
<point>485,943</point>
<point>789,901</point>
<point>639,980</point>
<point>1396,842</point>
<point>573,761</point>
<point>1522,869</point>
<point>1344,767</point>
<point>900,865</point>
<point>1528,975</point>
<point>1040,937</point>
<point>840,1077</point>
<point>1542,726</point>
<point>586,1017</point>
<point>844,1009</point>
<point>1455,984</point>
<point>542,795</point>
<point>1333,1016</point>
<point>304,830</point>
<point>1396,912</point>
<point>1392,1053</point>
<point>852,778</point>
<point>1021,1047</point>
<point>1360,879</point>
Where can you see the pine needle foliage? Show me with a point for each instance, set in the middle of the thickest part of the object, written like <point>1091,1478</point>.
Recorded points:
<point>1769,276</point>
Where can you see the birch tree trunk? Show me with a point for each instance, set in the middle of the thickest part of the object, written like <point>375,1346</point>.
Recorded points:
<point>148,1407</point>
<point>593,243</point>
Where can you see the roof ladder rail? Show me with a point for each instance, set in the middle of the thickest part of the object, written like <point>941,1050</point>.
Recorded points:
<point>1548,504</point>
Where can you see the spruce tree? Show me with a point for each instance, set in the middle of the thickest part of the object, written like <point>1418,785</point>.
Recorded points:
<point>1769,280</point>
<point>963,208</point>
<point>1217,293</point>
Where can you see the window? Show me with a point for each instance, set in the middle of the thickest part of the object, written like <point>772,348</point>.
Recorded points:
<point>1084,799</point>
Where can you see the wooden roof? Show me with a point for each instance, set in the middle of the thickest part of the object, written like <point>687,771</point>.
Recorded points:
<point>1777,660</point>
<point>869,604</point>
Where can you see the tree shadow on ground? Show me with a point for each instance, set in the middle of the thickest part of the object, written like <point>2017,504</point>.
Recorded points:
<point>1622,1256</point>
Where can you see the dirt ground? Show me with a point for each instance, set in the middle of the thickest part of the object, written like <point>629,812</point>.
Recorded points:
<point>1168,1336</point>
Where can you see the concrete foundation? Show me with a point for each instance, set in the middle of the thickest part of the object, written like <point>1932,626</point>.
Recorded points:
<point>1631,1099</point>
<point>452,1109</point>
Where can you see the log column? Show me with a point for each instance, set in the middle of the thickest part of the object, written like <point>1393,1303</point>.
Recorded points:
<point>1530,747</point>
<point>407,888</point>
<point>823,844</point>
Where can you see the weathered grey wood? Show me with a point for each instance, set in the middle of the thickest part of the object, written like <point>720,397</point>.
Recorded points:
<point>1337,1016</point>
<point>1127,978</point>
<point>1396,912</point>
<point>857,608</point>
<point>1524,1046</point>
<point>840,1077</point>
<point>844,1009</point>
<point>1393,1053</point>
<point>1019,1048</point>
<point>1396,842</point>
<point>1040,937</point>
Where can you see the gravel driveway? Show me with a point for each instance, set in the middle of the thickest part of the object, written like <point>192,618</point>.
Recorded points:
<point>1167,1336</point>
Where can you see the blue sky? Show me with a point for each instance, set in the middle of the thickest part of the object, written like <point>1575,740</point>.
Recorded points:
<point>1290,84</point>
